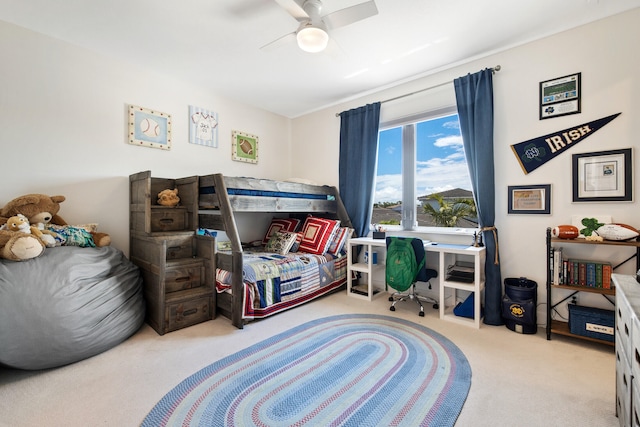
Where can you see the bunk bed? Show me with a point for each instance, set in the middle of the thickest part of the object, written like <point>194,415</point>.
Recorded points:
<point>239,296</point>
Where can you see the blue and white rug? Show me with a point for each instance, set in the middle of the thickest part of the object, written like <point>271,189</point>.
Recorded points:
<point>349,370</point>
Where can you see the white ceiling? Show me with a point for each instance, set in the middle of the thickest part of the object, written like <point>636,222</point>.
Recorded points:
<point>216,43</point>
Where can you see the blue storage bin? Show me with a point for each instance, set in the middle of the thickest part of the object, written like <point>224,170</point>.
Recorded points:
<point>592,322</point>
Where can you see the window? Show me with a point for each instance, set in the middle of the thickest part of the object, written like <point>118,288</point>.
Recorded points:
<point>418,159</point>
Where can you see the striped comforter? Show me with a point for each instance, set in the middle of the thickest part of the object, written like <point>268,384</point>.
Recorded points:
<point>274,282</point>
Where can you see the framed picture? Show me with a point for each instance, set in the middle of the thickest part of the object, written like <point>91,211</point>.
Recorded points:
<point>530,199</point>
<point>244,147</point>
<point>603,176</point>
<point>203,127</point>
<point>560,96</point>
<point>149,128</point>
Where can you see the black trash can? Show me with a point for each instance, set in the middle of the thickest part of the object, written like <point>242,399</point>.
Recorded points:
<point>519,305</point>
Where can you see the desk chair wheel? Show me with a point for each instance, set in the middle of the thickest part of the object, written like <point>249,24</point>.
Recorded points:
<point>421,314</point>
<point>436,306</point>
<point>391,299</point>
<point>392,308</point>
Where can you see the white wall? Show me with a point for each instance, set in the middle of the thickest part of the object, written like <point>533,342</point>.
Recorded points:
<point>63,129</point>
<point>604,53</point>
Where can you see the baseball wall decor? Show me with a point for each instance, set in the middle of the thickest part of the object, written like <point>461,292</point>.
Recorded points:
<point>149,128</point>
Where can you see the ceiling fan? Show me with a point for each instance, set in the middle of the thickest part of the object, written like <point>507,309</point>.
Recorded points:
<point>312,34</point>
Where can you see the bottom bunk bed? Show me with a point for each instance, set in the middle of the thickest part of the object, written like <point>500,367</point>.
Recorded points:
<point>274,282</point>
<point>302,255</point>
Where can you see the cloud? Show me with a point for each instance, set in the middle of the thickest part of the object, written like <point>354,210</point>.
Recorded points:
<point>451,125</point>
<point>432,176</point>
<point>449,141</point>
<point>388,188</point>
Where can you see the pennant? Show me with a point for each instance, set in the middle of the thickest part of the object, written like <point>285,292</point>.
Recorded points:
<point>537,151</point>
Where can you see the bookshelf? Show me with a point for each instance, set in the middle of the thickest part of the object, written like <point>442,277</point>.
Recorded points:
<point>553,246</point>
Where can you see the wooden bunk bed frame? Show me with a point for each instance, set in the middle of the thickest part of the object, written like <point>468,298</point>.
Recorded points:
<point>217,209</point>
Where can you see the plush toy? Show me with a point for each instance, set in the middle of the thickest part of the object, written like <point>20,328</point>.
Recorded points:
<point>617,231</point>
<point>18,246</point>
<point>18,223</point>
<point>21,223</point>
<point>41,210</point>
<point>168,197</point>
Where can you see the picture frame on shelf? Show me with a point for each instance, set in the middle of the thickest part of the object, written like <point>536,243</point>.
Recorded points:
<point>149,128</point>
<point>529,199</point>
<point>560,96</point>
<point>244,147</point>
<point>604,176</point>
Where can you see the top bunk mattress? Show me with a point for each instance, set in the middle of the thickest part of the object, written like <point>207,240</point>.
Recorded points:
<point>264,195</point>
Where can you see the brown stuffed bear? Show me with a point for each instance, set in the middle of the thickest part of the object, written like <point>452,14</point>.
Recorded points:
<point>168,197</point>
<point>41,209</point>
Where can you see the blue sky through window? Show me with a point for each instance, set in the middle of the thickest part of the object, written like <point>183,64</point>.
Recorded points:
<point>440,162</point>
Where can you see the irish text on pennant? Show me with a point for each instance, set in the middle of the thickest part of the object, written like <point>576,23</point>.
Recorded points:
<point>537,151</point>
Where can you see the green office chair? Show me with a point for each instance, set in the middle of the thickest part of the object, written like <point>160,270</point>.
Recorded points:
<point>405,265</point>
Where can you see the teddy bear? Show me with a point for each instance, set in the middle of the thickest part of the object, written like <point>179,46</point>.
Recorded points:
<point>41,210</point>
<point>18,246</point>
<point>168,197</point>
<point>21,223</point>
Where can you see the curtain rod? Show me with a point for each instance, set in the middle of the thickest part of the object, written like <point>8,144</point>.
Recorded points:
<point>494,70</point>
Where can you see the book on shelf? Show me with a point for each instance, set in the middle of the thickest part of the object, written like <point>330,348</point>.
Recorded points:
<point>557,269</point>
<point>578,272</point>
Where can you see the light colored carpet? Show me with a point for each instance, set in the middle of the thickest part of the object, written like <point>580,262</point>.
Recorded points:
<point>521,380</point>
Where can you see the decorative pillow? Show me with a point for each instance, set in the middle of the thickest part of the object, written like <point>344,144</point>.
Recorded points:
<point>340,237</point>
<point>617,232</point>
<point>280,224</point>
<point>281,242</point>
<point>316,234</point>
<point>296,244</point>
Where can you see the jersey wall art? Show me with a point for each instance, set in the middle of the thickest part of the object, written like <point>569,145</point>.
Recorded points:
<point>203,127</point>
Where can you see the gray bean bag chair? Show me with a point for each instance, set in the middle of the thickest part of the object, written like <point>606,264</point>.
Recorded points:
<point>69,304</point>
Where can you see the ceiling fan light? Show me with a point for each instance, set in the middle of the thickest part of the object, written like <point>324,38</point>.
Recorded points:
<point>312,39</point>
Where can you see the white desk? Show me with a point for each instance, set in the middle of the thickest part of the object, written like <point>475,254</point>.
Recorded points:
<point>448,254</point>
<point>367,268</point>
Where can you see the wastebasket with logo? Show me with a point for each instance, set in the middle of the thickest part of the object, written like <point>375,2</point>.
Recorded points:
<point>519,305</point>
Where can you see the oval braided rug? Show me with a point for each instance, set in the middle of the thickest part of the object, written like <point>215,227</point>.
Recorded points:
<point>348,370</point>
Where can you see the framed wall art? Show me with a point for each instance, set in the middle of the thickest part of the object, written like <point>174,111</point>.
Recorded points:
<point>244,147</point>
<point>560,96</point>
<point>604,176</point>
<point>149,128</point>
<point>203,127</point>
<point>529,199</point>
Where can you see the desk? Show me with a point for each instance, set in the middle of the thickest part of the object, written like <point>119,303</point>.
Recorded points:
<point>448,254</point>
<point>367,268</point>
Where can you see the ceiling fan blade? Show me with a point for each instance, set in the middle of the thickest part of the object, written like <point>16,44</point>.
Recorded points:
<point>349,15</point>
<point>279,42</point>
<point>294,8</point>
